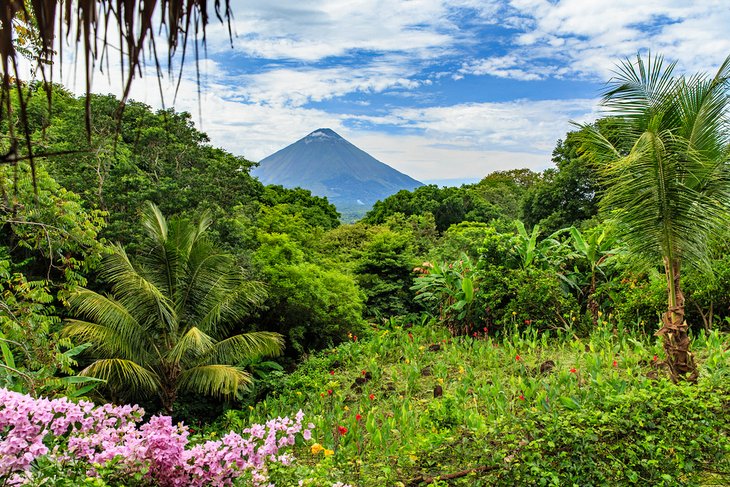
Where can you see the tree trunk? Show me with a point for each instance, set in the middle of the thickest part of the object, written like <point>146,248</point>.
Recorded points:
<point>674,328</point>
<point>168,393</point>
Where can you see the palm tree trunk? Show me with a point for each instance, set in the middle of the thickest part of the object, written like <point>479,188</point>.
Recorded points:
<point>674,328</point>
<point>168,392</point>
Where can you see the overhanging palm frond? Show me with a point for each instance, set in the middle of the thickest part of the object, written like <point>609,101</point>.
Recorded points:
<point>215,380</point>
<point>245,346</point>
<point>124,375</point>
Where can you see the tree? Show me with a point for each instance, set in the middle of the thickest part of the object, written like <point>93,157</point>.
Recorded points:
<point>565,195</point>
<point>163,328</point>
<point>671,190</point>
<point>32,27</point>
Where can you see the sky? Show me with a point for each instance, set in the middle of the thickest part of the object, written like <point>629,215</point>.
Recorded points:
<point>445,91</point>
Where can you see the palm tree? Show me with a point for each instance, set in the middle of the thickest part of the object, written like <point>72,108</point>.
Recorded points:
<point>671,189</point>
<point>163,328</point>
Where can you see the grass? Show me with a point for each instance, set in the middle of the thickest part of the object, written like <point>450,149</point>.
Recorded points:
<point>534,408</point>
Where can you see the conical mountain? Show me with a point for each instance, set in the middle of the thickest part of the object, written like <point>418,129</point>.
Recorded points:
<point>328,165</point>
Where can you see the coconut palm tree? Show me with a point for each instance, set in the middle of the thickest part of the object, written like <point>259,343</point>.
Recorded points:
<point>162,330</point>
<point>671,189</point>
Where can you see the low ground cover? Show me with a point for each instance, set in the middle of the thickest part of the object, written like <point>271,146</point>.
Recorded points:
<point>409,405</point>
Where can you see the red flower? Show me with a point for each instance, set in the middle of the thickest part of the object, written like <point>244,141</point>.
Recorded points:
<point>474,334</point>
<point>528,322</point>
<point>615,364</point>
<point>354,338</point>
<point>656,358</point>
<point>322,394</point>
<point>485,329</point>
<point>573,370</point>
<point>364,372</point>
<point>522,397</point>
<point>517,358</point>
<point>342,430</point>
<point>372,397</point>
<point>410,335</point>
<point>332,372</point>
<point>329,392</point>
<point>358,417</point>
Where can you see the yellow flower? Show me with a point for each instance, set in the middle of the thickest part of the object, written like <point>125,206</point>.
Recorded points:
<point>328,453</point>
<point>346,408</point>
<point>514,313</point>
<point>461,369</point>
<point>440,380</point>
<point>408,361</point>
<point>250,408</point>
<point>422,348</point>
<point>600,313</point>
<point>299,393</point>
<point>316,448</point>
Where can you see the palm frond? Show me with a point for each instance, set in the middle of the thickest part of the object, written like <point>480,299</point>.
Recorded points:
<point>245,346</point>
<point>109,313</point>
<point>141,297</point>
<point>230,307</point>
<point>107,342</point>
<point>214,380</point>
<point>672,190</point>
<point>193,344</point>
<point>124,375</point>
<point>639,88</point>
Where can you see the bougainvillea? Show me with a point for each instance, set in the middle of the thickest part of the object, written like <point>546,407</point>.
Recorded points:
<point>69,433</point>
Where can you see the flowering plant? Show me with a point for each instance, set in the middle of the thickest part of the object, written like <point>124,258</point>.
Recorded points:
<point>81,434</point>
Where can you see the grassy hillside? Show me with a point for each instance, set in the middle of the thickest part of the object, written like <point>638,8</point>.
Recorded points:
<point>409,403</point>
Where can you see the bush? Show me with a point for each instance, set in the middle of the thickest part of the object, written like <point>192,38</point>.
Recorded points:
<point>661,435</point>
<point>312,307</point>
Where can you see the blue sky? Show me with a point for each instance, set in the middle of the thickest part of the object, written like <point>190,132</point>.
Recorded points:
<point>437,89</point>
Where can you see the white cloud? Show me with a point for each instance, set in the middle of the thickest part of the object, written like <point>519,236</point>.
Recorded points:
<point>296,87</point>
<point>582,38</point>
<point>311,30</point>
<point>526,126</point>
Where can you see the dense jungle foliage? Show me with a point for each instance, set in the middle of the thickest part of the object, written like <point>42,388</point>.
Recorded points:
<point>493,334</point>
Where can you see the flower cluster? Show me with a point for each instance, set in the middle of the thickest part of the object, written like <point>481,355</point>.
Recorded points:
<point>67,432</point>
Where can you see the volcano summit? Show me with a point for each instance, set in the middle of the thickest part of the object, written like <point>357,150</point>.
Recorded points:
<point>328,165</point>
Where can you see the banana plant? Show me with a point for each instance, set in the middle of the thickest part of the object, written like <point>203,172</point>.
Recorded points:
<point>526,244</point>
<point>548,251</point>
<point>595,247</point>
<point>451,288</point>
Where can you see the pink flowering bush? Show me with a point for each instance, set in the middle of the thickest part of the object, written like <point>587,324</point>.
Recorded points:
<point>90,437</point>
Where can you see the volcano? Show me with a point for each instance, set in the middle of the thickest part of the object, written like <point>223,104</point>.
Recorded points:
<point>328,165</point>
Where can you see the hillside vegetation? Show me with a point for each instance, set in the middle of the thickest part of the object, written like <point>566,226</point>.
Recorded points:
<point>166,319</point>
